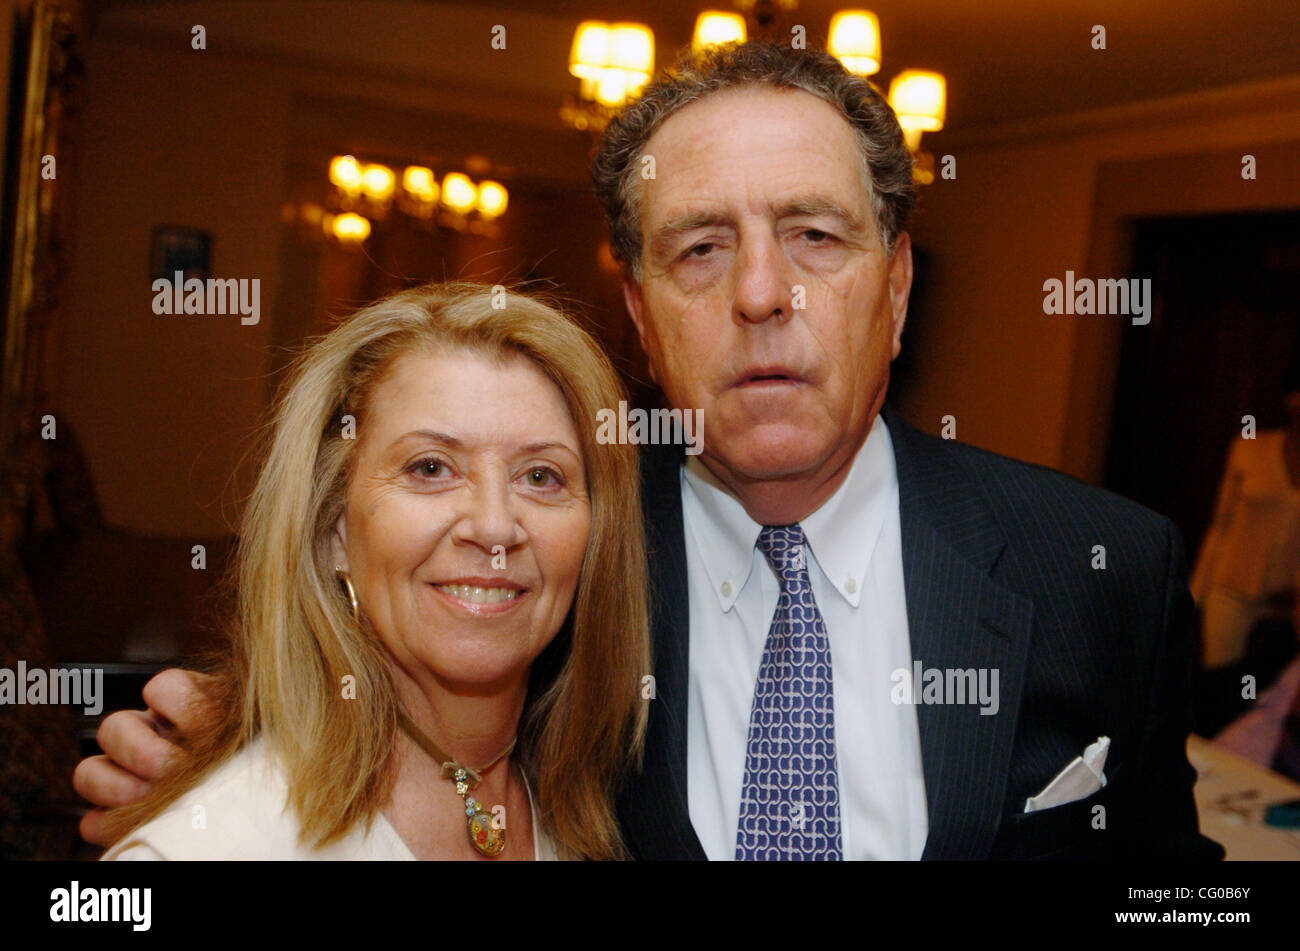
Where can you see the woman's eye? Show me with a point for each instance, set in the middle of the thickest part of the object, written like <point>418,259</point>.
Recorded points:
<point>428,468</point>
<point>542,477</point>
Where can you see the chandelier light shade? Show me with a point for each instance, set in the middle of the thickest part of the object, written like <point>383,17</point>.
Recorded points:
<point>590,51</point>
<point>345,175</point>
<point>919,98</point>
<point>713,28</point>
<point>492,199</point>
<point>613,61</point>
<point>378,182</point>
<point>855,41</point>
<point>348,228</point>
<point>458,192</point>
<point>418,182</point>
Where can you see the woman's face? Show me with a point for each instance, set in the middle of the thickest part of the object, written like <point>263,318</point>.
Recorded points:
<point>467,516</point>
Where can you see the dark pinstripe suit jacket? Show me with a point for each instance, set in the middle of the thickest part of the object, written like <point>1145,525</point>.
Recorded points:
<point>998,565</point>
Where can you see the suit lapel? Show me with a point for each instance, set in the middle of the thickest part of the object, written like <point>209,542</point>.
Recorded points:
<point>959,618</point>
<point>654,810</point>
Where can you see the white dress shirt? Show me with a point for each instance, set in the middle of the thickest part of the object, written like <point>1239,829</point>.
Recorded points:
<point>856,570</point>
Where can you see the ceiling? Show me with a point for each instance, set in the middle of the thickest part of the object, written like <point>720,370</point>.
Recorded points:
<point>1006,60</point>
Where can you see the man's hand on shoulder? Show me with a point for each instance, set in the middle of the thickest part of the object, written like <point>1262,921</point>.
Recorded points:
<point>138,746</point>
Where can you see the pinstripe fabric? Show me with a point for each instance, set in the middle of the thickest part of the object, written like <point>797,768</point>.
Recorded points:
<point>1075,596</point>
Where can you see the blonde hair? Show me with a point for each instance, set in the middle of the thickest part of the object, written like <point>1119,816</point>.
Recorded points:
<point>294,637</point>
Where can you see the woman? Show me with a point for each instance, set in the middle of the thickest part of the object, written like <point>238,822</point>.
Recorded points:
<point>441,620</point>
<point>1248,564</point>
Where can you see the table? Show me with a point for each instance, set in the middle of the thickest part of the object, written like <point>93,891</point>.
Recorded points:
<point>1232,793</point>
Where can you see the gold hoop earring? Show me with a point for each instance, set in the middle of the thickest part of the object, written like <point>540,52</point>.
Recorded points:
<point>349,592</point>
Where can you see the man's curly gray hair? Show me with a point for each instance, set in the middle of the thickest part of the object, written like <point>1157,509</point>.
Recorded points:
<point>887,164</point>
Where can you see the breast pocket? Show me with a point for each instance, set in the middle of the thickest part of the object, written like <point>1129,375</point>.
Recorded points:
<point>1077,830</point>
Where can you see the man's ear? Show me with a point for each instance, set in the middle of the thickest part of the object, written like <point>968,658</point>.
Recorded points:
<point>635,306</point>
<point>635,303</point>
<point>339,544</point>
<point>900,286</point>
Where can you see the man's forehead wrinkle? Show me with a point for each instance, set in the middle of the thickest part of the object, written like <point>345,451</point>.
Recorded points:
<point>797,192</point>
<point>746,175</point>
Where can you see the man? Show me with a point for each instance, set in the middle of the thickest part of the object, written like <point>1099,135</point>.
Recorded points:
<point>869,643</point>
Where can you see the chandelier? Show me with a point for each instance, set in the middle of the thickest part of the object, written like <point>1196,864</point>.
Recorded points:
<point>614,61</point>
<point>363,192</point>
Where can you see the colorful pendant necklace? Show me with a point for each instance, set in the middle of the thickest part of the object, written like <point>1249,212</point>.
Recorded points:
<point>483,831</point>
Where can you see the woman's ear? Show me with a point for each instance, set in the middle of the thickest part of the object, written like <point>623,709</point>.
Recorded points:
<point>339,544</point>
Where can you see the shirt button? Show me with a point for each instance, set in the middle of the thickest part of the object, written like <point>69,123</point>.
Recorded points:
<point>851,586</point>
<point>726,589</point>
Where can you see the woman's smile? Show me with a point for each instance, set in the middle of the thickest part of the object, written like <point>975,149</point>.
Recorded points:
<point>482,597</point>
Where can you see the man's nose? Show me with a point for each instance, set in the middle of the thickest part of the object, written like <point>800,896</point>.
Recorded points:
<point>763,288</point>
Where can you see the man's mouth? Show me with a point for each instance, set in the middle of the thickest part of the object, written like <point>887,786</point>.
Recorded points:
<point>768,376</point>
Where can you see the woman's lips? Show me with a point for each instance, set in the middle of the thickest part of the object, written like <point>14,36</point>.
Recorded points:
<point>486,600</point>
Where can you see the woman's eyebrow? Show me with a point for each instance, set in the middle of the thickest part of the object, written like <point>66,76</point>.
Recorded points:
<point>445,438</point>
<point>539,446</point>
<point>455,442</point>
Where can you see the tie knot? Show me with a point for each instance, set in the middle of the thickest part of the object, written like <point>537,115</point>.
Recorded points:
<point>784,548</point>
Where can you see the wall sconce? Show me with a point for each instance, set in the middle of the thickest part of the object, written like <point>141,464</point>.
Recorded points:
<point>919,99</point>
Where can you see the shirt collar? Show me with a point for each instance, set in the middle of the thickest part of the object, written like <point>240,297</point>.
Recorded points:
<point>841,534</point>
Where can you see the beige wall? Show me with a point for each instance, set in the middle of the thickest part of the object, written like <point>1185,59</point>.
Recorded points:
<point>165,406</point>
<point>1025,207</point>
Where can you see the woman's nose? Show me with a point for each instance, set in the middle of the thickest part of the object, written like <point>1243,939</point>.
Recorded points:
<point>491,517</point>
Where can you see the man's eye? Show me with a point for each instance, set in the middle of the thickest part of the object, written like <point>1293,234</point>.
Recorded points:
<point>818,237</point>
<point>700,250</point>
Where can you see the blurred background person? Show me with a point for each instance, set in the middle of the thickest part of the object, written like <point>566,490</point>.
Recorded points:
<point>1245,577</point>
<point>1250,558</point>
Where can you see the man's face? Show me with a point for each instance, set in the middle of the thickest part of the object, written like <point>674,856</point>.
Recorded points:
<point>766,298</point>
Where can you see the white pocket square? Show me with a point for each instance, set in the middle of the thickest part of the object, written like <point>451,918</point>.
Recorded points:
<point>1080,779</point>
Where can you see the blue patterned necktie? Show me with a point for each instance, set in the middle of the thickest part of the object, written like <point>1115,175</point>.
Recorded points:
<point>790,800</point>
